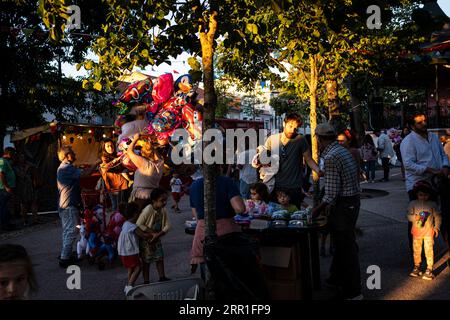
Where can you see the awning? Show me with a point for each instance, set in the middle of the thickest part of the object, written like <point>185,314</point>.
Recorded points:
<point>23,134</point>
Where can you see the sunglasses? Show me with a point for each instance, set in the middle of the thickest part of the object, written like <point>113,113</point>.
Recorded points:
<point>283,152</point>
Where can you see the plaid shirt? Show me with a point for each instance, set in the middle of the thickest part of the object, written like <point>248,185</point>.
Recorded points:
<point>341,173</point>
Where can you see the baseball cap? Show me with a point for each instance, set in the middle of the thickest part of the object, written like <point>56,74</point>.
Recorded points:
<point>325,129</point>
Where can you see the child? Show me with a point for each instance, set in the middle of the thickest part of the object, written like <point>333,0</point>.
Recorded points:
<point>176,185</point>
<point>128,244</point>
<point>111,236</point>
<point>260,197</point>
<point>284,200</point>
<point>17,279</point>
<point>369,157</point>
<point>154,219</point>
<point>426,219</point>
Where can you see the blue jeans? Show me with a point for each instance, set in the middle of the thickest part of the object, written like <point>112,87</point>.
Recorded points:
<point>5,197</point>
<point>114,196</point>
<point>69,220</point>
<point>369,167</point>
<point>244,189</point>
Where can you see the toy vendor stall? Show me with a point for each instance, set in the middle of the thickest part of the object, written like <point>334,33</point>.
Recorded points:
<point>40,146</point>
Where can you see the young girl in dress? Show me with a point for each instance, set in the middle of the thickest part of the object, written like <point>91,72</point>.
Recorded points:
<point>260,197</point>
<point>128,243</point>
<point>155,220</point>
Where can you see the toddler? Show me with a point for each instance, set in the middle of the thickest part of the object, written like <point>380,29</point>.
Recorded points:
<point>426,219</point>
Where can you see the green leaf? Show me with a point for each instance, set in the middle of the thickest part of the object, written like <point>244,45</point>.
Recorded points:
<point>85,84</point>
<point>88,65</point>
<point>316,33</point>
<point>98,86</point>
<point>144,53</point>
<point>78,66</point>
<point>252,28</point>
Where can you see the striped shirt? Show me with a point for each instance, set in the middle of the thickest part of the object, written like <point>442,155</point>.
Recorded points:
<point>341,173</point>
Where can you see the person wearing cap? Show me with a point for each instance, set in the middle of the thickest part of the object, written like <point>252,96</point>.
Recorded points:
<point>342,196</point>
<point>69,202</point>
<point>423,158</point>
<point>292,148</point>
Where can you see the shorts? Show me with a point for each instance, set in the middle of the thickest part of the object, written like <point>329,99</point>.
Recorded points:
<point>176,196</point>
<point>130,261</point>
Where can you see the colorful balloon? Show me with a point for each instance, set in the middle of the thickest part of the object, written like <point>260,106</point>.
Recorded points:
<point>192,121</point>
<point>183,88</point>
<point>163,88</point>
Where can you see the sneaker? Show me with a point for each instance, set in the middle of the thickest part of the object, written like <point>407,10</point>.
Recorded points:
<point>416,272</point>
<point>164,279</point>
<point>428,275</point>
<point>127,289</point>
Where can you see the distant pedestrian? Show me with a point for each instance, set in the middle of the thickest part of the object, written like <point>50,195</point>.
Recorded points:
<point>155,220</point>
<point>369,157</point>
<point>426,221</point>
<point>423,157</point>
<point>176,185</point>
<point>7,188</point>
<point>17,278</point>
<point>342,199</point>
<point>384,146</point>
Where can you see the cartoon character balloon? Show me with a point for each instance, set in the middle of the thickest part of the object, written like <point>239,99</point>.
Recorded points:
<point>183,88</point>
<point>137,92</point>
<point>192,121</point>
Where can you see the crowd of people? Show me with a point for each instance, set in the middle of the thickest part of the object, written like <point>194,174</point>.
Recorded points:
<point>141,219</point>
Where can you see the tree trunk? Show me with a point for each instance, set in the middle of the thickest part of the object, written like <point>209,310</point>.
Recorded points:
<point>210,101</point>
<point>333,98</point>
<point>313,122</point>
<point>357,123</point>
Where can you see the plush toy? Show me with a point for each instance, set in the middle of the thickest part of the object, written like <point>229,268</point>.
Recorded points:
<point>82,244</point>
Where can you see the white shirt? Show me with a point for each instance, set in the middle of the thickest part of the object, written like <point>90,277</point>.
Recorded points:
<point>385,144</point>
<point>248,174</point>
<point>176,185</point>
<point>128,243</point>
<point>419,153</point>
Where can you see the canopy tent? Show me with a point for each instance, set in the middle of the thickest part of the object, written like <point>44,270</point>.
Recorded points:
<point>40,146</point>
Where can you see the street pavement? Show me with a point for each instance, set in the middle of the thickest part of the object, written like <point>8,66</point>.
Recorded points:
<point>383,243</point>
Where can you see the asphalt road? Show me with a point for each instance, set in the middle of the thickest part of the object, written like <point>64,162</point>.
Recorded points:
<point>383,243</point>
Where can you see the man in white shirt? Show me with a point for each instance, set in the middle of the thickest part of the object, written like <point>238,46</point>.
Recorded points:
<point>423,156</point>
<point>384,146</point>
